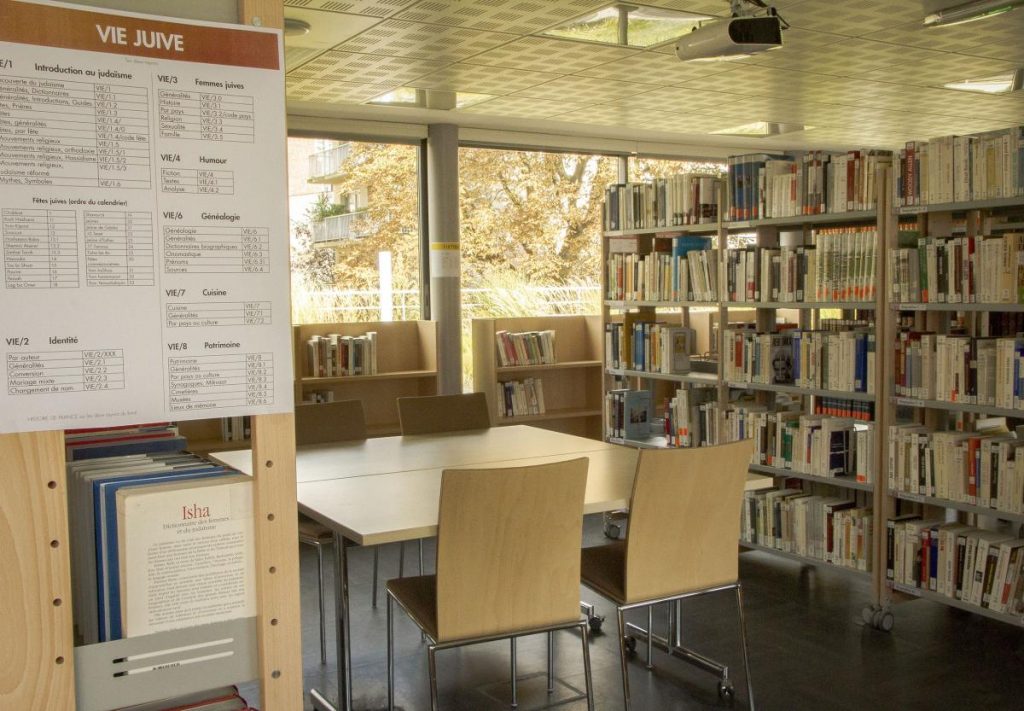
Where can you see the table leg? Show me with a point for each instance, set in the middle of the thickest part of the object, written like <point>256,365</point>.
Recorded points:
<point>342,635</point>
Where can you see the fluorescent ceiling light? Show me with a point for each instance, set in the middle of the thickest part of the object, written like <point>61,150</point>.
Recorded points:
<point>403,95</point>
<point>410,96</point>
<point>645,26</point>
<point>968,12</point>
<point>998,84</point>
<point>762,129</point>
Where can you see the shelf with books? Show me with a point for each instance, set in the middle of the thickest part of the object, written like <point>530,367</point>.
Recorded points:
<point>963,206</point>
<point>547,366</point>
<point>692,378</point>
<point>958,505</point>
<point>958,407</point>
<point>808,305</point>
<point>943,307</point>
<point>699,228</point>
<point>950,385</point>
<point>825,218</point>
<point>401,362</point>
<point>806,560</point>
<point>799,390</point>
<point>624,305</point>
<point>1011,619</point>
<point>845,482</point>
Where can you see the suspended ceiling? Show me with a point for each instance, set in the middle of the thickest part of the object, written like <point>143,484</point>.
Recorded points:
<point>862,73</point>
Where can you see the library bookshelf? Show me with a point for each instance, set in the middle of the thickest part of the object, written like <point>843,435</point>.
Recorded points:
<point>406,366</point>
<point>570,385</point>
<point>712,319</point>
<point>931,308</point>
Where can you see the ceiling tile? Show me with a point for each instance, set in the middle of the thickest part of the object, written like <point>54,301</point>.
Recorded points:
<point>523,17</point>
<point>334,92</point>
<point>544,53</point>
<point>365,68</point>
<point>374,8</point>
<point>481,79</point>
<point>413,39</point>
<point>523,107</point>
<point>853,19</point>
<point>585,89</point>
<point>938,69</point>
<point>655,68</point>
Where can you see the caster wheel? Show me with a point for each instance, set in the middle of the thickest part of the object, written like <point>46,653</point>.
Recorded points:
<point>726,690</point>
<point>595,624</point>
<point>867,614</point>
<point>612,531</point>
<point>631,645</point>
<point>886,621</point>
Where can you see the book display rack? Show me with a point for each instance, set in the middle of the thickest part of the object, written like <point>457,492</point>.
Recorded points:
<point>543,371</point>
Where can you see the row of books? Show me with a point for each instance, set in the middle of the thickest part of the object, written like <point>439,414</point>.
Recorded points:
<point>811,183</point>
<point>521,397</point>
<point>819,445</point>
<point>840,267</point>
<point>689,418</point>
<point>830,529</point>
<point>964,369</point>
<point>961,168</point>
<point>968,467</point>
<point>689,275</point>
<point>318,396</point>
<point>958,270</point>
<point>525,347</point>
<point>652,347</point>
<point>682,199</point>
<point>976,566</point>
<point>829,360</point>
<point>235,429</point>
<point>333,355</point>
<point>161,539</point>
<point>629,414</point>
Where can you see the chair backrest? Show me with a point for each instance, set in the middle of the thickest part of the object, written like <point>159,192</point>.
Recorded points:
<point>684,519</point>
<point>338,421</point>
<point>443,413</point>
<point>508,548</point>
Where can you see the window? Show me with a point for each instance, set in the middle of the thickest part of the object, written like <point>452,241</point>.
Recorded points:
<point>354,210</point>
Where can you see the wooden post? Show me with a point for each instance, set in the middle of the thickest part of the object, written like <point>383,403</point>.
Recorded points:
<point>279,631</point>
<point>36,658</point>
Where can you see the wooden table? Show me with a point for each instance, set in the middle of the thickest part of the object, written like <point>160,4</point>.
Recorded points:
<point>387,489</point>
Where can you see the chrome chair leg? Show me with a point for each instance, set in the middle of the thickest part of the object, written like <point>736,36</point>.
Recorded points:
<point>376,560</point>
<point>419,544</point>
<point>585,635</point>
<point>743,639</point>
<point>323,619</point>
<point>391,655</point>
<point>622,656</point>
<point>515,686</point>
<point>401,559</point>
<point>432,669</point>
<point>650,636</point>
<point>551,662</point>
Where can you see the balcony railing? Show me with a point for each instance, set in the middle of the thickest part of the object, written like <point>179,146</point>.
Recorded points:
<point>327,164</point>
<point>339,227</point>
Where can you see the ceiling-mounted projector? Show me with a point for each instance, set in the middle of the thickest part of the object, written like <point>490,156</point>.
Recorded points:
<point>732,38</point>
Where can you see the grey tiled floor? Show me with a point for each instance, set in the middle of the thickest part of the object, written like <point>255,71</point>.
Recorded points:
<point>808,650</point>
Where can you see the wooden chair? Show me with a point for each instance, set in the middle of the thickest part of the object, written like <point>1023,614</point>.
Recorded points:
<point>434,414</point>
<point>443,413</point>
<point>506,566</point>
<point>320,423</point>
<point>684,526</point>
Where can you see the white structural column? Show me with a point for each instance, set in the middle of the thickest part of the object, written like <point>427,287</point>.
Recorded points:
<point>445,279</point>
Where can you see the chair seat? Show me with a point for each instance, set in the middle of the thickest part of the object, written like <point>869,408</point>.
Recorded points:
<point>313,531</point>
<point>603,568</point>
<point>418,595</point>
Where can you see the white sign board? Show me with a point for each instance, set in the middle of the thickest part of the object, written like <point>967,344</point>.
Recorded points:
<point>143,219</point>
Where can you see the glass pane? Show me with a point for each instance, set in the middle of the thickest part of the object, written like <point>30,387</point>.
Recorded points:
<point>531,234</point>
<point>354,211</point>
